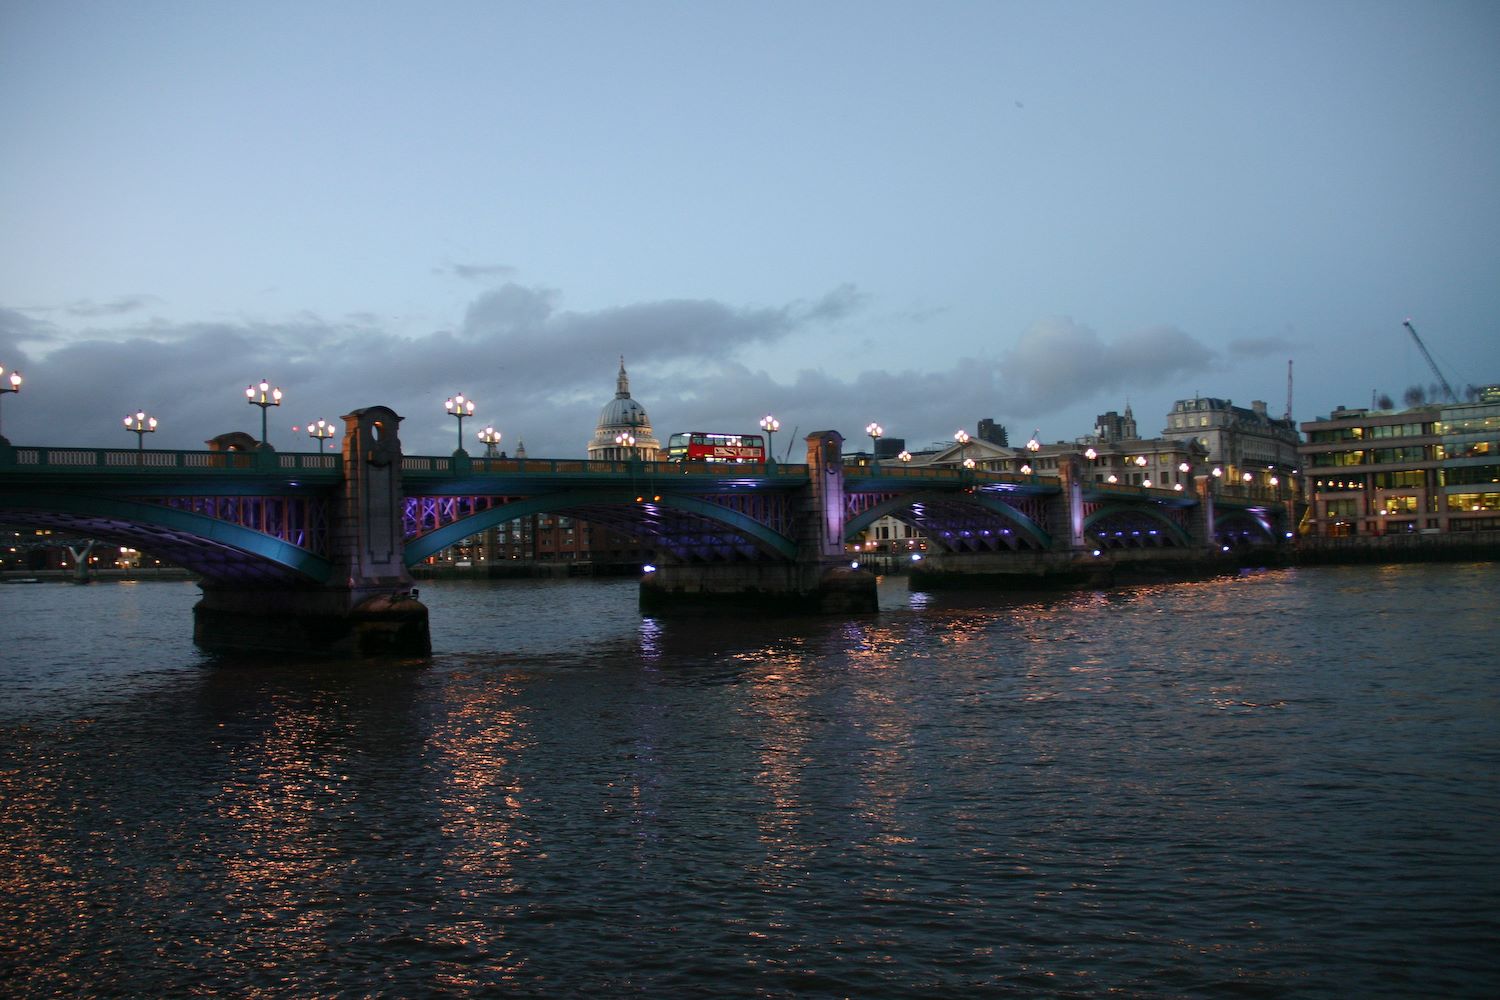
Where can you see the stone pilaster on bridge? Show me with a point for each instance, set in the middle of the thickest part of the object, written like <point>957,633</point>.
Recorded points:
<point>1203,517</point>
<point>1070,506</point>
<point>368,605</point>
<point>819,580</point>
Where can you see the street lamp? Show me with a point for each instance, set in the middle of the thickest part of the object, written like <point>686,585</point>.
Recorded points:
<point>770,425</point>
<point>322,430</point>
<point>140,425</point>
<point>626,442</point>
<point>264,397</point>
<point>459,407</point>
<point>874,430</point>
<point>9,383</point>
<point>1032,446</point>
<point>489,437</point>
<point>905,457</point>
<point>962,437</point>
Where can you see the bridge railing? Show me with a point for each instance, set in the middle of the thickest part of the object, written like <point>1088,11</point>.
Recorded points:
<point>131,460</point>
<point>946,473</point>
<point>439,464</point>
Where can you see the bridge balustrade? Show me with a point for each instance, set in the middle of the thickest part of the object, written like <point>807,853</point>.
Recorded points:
<point>131,460</point>
<point>553,466</point>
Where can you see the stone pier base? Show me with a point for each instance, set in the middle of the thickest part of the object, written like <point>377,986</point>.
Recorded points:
<point>325,622</point>
<point>753,587</point>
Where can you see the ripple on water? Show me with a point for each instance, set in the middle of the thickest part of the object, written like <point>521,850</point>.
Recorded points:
<point>1273,785</point>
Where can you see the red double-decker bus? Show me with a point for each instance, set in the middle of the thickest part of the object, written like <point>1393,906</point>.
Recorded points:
<point>699,446</point>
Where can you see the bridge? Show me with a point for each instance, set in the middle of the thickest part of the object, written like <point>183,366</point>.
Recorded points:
<point>311,549</point>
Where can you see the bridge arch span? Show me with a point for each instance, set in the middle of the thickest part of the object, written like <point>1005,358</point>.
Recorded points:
<point>957,520</point>
<point>209,547</point>
<point>1120,526</point>
<point>1242,527</point>
<point>690,528</point>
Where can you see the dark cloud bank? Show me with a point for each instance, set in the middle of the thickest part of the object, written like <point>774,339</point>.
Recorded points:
<point>540,373</point>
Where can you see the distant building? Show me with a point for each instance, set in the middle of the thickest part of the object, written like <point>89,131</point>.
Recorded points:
<point>1113,427</point>
<point>993,433</point>
<point>623,421</point>
<point>1239,441</point>
<point>1113,454</point>
<point>555,538</point>
<point>1432,468</point>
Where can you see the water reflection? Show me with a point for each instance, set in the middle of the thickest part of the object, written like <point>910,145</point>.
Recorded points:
<point>1197,789</point>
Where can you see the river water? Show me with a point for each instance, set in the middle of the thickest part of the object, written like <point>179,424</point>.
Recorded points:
<point>1273,785</point>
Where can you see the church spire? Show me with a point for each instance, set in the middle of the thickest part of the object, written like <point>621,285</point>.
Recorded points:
<point>622,384</point>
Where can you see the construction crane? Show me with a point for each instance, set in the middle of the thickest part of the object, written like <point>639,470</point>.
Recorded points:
<point>1452,396</point>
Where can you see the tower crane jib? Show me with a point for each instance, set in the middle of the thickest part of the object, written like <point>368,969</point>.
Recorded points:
<point>1448,389</point>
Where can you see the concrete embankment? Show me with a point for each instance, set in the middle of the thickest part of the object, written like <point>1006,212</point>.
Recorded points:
<point>1479,546</point>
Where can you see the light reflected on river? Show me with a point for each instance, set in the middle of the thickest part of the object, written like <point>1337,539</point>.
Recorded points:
<point>1182,790</point>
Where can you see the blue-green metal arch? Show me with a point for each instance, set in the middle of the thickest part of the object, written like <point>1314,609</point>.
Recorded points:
<point>1225,518</point>
<point>185,524</point>
<point>1174,530</point>
<point>418,549</point>
<point>1029,527</point>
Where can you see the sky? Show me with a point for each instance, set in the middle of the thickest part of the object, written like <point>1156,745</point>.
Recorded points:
<point>920,214</point>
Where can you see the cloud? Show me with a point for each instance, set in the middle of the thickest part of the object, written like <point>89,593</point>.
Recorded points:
<point>17,328</point>
<point>88,309</point>
<point>1059,362</point>
<point>537,371</point>
<point>475,272</point>
<point>1259,347</point>
<point>541,373</point>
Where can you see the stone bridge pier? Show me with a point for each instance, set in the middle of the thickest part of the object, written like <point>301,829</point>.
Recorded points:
<point>819,580</point>
<point>368,605</point>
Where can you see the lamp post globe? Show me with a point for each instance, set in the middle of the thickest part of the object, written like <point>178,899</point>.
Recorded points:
<point>9,383</point>
<point>459,406</point>
<point>962,437</point>
<point>770,425</point>
<point>265,396</point>
<point>139,424</point>
<point>321,430</point>
<point>875,431</point>
<point>489,437</point>
<point>625,441</point>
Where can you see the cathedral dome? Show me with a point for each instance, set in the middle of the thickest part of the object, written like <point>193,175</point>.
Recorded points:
<point>623,416</point>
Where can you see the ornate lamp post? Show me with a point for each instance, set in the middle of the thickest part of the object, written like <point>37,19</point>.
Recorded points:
<point>9,383</point>
<point>626,442</point>
<point>770,425</point>
<point>322,430</point>
<point>905,457</point>
<point>875,431</point>
<point>1032,447</point>
<point>265,397</point>
<point>962,437</point>
<point>458,406</point>
<point>140,425</point>
<point>489,437</point>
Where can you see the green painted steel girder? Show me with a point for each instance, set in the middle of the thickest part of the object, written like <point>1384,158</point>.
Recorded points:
<point>983,501</point>
<point>1173,529</point>
<point>418,549</point>
<point>185,525</point>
